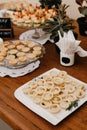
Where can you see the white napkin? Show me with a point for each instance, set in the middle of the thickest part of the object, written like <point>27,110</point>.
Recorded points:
<point>28,36</point>
<point>1,41</point>
<point>69,45</point>
<point>2,12</point>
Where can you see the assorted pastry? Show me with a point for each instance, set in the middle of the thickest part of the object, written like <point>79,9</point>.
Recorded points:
<point>55,91</point>
<point>14,54</point>
<point>33,16</point>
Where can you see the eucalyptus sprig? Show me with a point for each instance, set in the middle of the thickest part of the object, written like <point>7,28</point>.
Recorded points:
<point>59,23</point>
<point>50,3</point>
<point>82,7</point>
<point>73,104</point>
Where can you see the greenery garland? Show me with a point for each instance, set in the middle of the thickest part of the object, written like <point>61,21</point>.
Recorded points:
<point>50,3</point>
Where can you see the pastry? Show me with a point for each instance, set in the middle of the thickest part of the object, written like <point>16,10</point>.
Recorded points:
<point>37,48</point>
<point>37,52</point>
<point>19,54</point>
<point>20,47</point>
<point>53,93</point>
<point>10,57</point>
<point>11,46</point>
<point>22,59</point>
<point>31,56</point>
<point>12,51</point>
<point>25,49</point>
<point>13,61</point>
<point>54,108</point>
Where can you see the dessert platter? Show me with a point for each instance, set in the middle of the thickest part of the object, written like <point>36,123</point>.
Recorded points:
<point>16,54</point>
<point>20,54</point>
<point>32,18</point>
<point>53,95</point>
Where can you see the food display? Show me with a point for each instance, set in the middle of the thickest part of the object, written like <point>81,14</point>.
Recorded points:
<point>33,16</point>
<point>53,95</point>
<point>16,54</point>
<point>55,91</point>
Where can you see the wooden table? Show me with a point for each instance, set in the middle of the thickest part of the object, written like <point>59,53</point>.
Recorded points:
<point>21,118</point>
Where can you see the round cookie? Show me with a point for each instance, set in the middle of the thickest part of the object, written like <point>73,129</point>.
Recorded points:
<point>20,54</point>
<point>22,59</point>
<point>25,49</point>
<point>13,61</point>
<point>31,56</point>
<point>13,51</point>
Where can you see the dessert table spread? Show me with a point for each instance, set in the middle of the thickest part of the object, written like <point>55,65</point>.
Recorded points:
<point>20,117</point>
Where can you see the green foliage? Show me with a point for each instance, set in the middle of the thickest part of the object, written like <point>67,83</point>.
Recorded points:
<point>73,104</point>
<point>59,23</point>
<point>82,9</point>
<point>50,3</point>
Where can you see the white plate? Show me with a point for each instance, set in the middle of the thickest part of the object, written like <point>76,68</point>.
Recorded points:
<point>28,36</point>
<point>4,71</point>
<point>52,118</point>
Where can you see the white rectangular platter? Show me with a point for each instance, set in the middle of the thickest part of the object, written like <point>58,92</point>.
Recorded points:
<point>52,118</point>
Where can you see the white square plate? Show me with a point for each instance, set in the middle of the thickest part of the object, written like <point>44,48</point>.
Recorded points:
<point>52,118</point>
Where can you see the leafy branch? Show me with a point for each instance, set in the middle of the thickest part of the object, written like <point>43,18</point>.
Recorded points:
<point>73,104</point>
<point>50,3</point>
<point>59,23</point>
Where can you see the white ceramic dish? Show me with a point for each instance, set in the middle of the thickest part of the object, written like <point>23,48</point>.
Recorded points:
<point>28,35</point>
<point>52,118</point>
